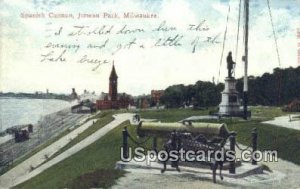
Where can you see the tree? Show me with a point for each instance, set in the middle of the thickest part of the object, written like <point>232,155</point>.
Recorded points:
<point>278,88</point>
<point>174,96</point>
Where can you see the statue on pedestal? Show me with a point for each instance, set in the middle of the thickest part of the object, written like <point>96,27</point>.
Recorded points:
<point>230,103</point>
<point>230,65</point>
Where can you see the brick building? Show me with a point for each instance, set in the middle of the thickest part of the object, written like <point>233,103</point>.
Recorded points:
<point>113,99</point>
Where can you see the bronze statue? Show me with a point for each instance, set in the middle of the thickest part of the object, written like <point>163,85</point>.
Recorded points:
<point>230,65</point>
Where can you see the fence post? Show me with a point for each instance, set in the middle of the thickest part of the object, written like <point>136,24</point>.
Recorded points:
<point>174,146</point>
<point>154,145</point>
<point>125,142</point>
<point>254,145</point>
<point>232,141</point>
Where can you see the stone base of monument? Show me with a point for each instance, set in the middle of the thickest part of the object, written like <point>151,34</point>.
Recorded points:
<point>230,104</point>
<point>243,170</point>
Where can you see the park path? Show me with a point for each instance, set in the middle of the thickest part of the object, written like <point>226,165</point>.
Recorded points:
<point>286,121</point>
<point>22,172</point>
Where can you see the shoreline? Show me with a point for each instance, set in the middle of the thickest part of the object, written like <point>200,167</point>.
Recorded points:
<point>26,110</point>
<point>27,97</point>
<point>25,124</point>
<point>4,134</point>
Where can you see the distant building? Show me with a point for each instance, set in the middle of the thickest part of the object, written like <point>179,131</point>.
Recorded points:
<point>91,96</point>
<point>113,100</point>
<point>156,95</point>
<point>85,106</point>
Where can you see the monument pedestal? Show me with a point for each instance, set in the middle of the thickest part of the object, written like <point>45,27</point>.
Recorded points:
<point>230,104</point>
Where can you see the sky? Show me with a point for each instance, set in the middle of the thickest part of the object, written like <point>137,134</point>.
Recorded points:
<point>22,43</point>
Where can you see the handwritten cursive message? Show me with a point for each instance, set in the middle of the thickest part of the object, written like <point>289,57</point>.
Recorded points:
<point>97,44</point>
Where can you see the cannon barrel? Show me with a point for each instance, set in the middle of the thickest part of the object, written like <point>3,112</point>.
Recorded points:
<point>164,129</point>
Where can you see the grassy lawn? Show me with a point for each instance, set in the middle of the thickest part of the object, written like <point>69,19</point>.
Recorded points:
<point>171,115</point>
<point>285,141</point>
<point>261,113</point>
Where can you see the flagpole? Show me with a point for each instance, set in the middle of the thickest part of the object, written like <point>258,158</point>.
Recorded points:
<point>245,90</point>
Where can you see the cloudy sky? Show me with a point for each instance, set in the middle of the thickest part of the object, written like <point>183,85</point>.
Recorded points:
<point>140,70</point>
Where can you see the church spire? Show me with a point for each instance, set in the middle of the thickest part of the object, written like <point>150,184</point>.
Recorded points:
<point>113,73</point>
<point>113,84</point>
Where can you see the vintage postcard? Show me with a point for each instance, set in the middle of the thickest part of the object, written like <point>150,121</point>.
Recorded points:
<point>149,94</point>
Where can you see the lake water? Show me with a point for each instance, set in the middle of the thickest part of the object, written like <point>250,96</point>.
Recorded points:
<point>17,111</point>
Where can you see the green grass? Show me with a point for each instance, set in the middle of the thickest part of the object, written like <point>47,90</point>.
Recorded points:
<point>261,113</point>
<point>171,115</point>
<point>100,178</point>
<point>285,141</point>
<point>102,114</point>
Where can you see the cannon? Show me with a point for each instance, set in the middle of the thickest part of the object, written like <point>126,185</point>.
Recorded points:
<point>188,135</point>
